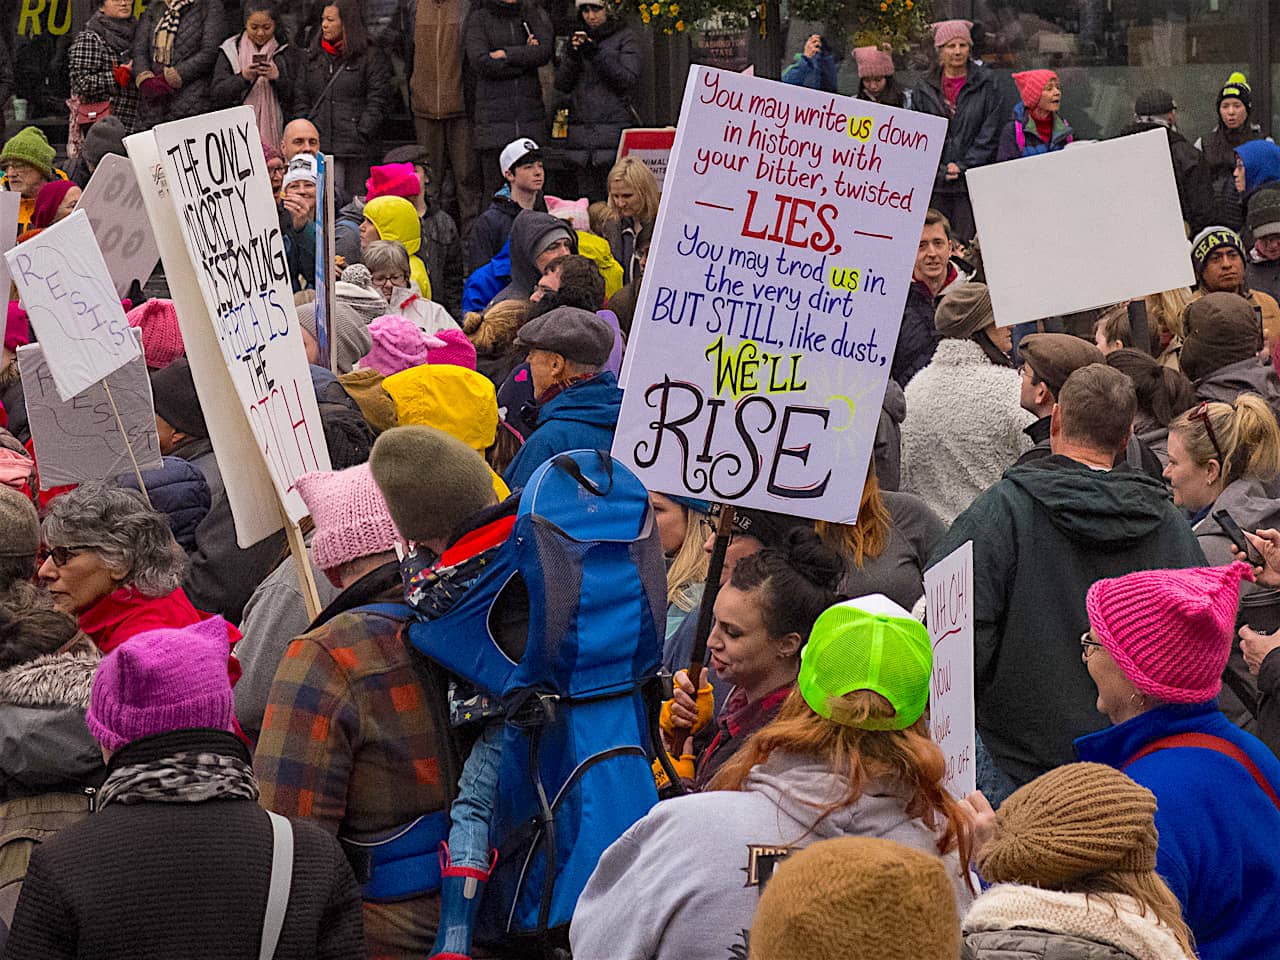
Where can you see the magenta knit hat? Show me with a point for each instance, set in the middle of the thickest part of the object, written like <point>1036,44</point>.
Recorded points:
<point>457,350</point>
<point>1031,84</point>
<point>1169,630</point>
<point>163,680</point>
<point>17,328</point>
<point>161,336</point>
<point>398,344</point>
<point>944,31</point>
<point>351,518</point>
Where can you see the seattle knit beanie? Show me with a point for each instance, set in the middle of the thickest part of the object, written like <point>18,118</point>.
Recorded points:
<point>1219,329</point>
<point>17,327</point>
<point>857,896</point>
<point>964,311</point>
<point>161,335</point>
<point>431,481</point>
<point>106,136</point>
<point>1169,631</point>
<point>30,146</point>
<point>19,526</point>
<point>873,62</point>
<point>351,517</point>
<point>1210,239</point>
<point>1031,84</point>
<point>944,31</point>
<point>163,680</point>
<point>1264,213</point>
<point>1072,822</point>
<point>1055,356</point>
<point>48,200</point>
<point>393,180</point>
<point>1237,86</point>
<point>397,344</point>
<point>455,349</point>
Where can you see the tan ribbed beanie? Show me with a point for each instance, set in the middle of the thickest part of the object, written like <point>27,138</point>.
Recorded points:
<point>857,897</point>
<point>1072,822</point>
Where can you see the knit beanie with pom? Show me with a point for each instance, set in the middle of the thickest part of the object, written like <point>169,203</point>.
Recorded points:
<point>431,481</point>
<point>1169,631</point>
<point>1072,822</point>
<point>351,517</point>
<point>857,897</point>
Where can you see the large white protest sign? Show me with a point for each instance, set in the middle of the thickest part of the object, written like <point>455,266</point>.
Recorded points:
<point>776,281</point>
<point>948,590</point>
<point>79,439</point>
<point>218,185</point>
<point>114,206</point>
<point>1109,212</point>
<point>65,287</point>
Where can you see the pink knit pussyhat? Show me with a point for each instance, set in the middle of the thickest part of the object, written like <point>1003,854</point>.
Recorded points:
<point>1031,84</point>
<point>944,31</point>
<point>873,62</point>
<point>351,517</point>
<point>161,335</point>
<point>398,344</point>
<point>160,681</point>
<point>1169,631</point>
<point>455,349</point>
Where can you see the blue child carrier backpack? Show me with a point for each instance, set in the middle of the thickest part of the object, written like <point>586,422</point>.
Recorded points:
<point>581,703</point>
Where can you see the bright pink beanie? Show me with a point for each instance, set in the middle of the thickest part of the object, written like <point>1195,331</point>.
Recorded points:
<point>1031,84</point>
<point>398,344</point>
<point>17,328</point>
<point>457,350</point>
<point>392,180</point>
<point>351,517</point>
<point>944,31</point>
<point>163,680</point>
<point>1169,630</point>
<point>161,336</point>
<point>873,62</point>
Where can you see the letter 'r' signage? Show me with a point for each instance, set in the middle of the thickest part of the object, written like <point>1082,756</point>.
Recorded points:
<point>778,272</point>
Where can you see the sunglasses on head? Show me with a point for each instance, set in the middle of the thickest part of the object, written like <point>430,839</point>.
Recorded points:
<point>1202,413</point>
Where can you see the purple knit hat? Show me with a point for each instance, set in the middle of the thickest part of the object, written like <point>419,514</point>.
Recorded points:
<point>1169,631</point>
<point>351,517</point>
<point>163,680</point>
<point>457,349</point>
<point>398,344</point>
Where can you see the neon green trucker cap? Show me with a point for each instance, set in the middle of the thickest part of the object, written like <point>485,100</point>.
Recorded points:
<point>868,643</point>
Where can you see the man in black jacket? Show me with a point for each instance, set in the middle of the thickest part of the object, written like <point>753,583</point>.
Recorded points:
<point>1156,110</point>
<point>521,164</point>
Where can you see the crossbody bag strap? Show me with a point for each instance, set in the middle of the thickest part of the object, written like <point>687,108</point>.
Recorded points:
<point>281,881</point>
<point>1207,741</point>
<point>325,92</point>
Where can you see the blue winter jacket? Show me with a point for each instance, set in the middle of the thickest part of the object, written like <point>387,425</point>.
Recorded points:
<point>1021,139</point>
<point>486,282</point>
<point>178,490</point>
<point>583,417</point>
<point>816,73</point>
<point>1261,160</point>
<point>1219,833</point>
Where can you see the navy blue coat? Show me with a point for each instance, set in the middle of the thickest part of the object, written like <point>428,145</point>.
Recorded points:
<point>180,492</point>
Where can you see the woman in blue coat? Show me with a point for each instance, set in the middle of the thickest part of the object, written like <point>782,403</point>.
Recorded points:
<point>1157,645</point>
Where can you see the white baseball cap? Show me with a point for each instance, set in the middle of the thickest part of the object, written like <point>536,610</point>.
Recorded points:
<point>517,150</point>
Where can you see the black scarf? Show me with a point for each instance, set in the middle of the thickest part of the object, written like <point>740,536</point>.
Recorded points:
<point>117,34</point>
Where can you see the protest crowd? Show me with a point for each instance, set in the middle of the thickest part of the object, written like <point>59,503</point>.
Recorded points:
<point>472,690</point>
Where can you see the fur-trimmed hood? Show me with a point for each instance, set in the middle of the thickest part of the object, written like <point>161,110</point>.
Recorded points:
<point>54,680</point>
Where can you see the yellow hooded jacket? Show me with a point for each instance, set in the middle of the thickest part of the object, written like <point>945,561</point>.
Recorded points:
<point>396,219</point>
<point>597,249</point>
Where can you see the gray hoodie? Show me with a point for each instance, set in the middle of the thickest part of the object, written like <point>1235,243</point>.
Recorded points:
<point>682,883</point>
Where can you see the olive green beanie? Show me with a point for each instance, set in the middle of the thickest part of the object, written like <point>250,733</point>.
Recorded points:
<point>30,146</point>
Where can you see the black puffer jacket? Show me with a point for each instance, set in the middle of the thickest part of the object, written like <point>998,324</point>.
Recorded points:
<point>349,112</point>
<point>193,884</point>
<point>598,79</point>
<point>973,132</point>
<point>201,29</point>
<point>508,96</point>
<point>178,490</point>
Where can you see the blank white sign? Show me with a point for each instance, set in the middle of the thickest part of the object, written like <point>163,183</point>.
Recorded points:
<point>1084,227</point>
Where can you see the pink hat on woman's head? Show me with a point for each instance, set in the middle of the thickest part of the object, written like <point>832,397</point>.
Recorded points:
<point>163,680</point>
<point>455,348</point>
<point>944,31</point>
<point>351,517</point>
<point>1031,84</point>
<point>873,62</point>
<point>161,335</point>
<point>1169,630</point>
<point>392,180</point>
<point>398,344</point>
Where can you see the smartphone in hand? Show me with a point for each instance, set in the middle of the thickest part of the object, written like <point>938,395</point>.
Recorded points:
<point>1232,530</point>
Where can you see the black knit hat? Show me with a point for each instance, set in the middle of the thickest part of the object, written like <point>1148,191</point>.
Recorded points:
<point>1210,239</point>
<point>1154,103</point>
<point>1264,213</point>
<point>1220,329</point>
<point>176,401</point>
<point>1237,86</point>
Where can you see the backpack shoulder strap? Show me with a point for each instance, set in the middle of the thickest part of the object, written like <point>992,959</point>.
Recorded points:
<point>395,611</point>
<point>1207,741</point>
<point>281,881</point>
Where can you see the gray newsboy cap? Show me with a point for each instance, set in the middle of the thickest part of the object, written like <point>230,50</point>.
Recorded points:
<point>577,335</point>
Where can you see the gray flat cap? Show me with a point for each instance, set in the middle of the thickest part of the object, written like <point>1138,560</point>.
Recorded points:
<point>577,335</point>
